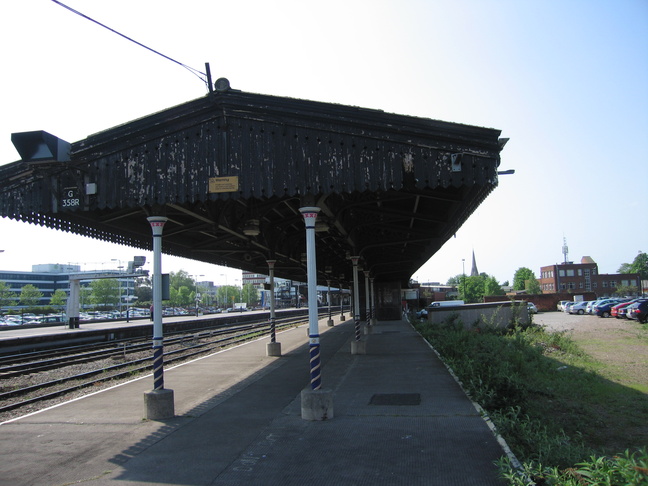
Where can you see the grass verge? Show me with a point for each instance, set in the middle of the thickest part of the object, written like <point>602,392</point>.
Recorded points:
<point>562,418</point>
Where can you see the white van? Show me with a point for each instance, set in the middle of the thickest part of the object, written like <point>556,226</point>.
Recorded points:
<point>447,303</point>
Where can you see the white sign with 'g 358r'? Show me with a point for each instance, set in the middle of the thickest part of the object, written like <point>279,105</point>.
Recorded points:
<point>70,198</point>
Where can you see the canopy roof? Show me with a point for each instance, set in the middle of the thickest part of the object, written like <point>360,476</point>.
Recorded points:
<point>231,170</point>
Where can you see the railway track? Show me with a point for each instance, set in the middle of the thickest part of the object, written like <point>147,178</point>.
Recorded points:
<point>82,367</point>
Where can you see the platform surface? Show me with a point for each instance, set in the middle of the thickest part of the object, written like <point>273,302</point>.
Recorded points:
<point>400,418</point>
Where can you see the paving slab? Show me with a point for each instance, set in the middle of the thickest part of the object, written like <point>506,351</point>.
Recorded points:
<point>400,418</point>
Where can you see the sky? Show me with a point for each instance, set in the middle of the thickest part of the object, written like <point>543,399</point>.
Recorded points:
<point>565,80</point>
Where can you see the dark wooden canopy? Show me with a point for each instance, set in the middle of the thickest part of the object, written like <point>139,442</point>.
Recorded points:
<point>232,169</point>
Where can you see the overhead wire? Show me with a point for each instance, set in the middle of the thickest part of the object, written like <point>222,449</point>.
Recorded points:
<point>199,74</point>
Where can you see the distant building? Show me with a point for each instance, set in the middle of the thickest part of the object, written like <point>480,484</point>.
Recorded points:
<point>584,277</point>
<point>50,277</point>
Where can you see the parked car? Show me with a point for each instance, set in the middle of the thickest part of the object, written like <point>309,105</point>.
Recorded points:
<point>532,308</point>
<point>578,308</point>
<point>561,305</point>
<point>603,309</point>
<point>638,311</point>
<point>568,306</point>
<point>619,310</point>
<point>590,306</point>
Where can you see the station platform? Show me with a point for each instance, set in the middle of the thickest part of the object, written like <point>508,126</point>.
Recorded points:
<point>400,418</point>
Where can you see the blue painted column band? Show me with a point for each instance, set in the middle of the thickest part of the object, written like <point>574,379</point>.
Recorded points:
<point>273,320</point>
<point>356,297</point>
<point>158,368</point>
<point>315,365</point>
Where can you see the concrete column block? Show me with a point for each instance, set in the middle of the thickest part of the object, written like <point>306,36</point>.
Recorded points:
<point>358,347</point>
<point>159,404</point>
<point>316,404</point>
<point>330,323</point>
<point>273,349</point>
<point>367,329</point>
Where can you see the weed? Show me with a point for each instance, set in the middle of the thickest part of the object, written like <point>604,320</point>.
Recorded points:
<point>522,376</point>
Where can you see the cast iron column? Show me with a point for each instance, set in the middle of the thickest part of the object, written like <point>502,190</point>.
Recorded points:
<point>157,225</point>
<point>158,403</point>
<point>356,295</point>
<point>310,215</point>
<point>368,301</point>
<point>273,338</point>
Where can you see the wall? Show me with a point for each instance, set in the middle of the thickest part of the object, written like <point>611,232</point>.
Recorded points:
<point>499,313</point>
<point>545,302</point>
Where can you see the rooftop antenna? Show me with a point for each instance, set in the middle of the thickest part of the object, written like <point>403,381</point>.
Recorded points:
<point>565,249</point>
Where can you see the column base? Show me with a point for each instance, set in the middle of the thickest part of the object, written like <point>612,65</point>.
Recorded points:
<point>358,347</point>
<point>367,329</point>
<point>342,318</point>
<point>330,323</point>
<point>317,404</point>
<point>273,349</point>
<point>158,404</point>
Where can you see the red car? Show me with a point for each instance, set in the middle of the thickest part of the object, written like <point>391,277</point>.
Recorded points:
<point>619,310</point>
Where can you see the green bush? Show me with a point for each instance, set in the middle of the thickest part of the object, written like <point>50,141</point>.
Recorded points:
<point>521,376</point>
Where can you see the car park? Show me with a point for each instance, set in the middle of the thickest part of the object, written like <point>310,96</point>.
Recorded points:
<point>619,310</point>
<point>590,306</point>
<point>561,305</point>
<point>638,311</point>
<point>568,306</point>
<point>604,308</point>
<point>578,308</point>
<point>12,321</point>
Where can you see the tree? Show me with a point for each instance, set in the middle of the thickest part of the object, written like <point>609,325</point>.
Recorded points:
<point>492,287</point>
<point>471,289</point>
<point>105,292</point>
<point>143,289</point>
<point>522,275</point>
<point>58,299</point>
<point>7,296</point>
<point>181,278</point>
<point>625,268</point>
<point>227,295</point>
<point>250,295</point>
<point>533,286</point>
<point>30,295</point>
<point>626,290</point>
<point>639,265</point>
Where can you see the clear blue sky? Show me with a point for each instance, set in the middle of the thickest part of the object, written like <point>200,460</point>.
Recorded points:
<point>566,81</point>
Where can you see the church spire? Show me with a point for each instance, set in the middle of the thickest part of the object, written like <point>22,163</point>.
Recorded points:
<point>474,272</point>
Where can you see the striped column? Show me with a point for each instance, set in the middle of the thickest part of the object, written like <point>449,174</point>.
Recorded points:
<point>367,299</point>
<point>157,226</point>
<point>328,301</point>
<point>273,320</point>
<point>342,318</point>
<point>310,215</point>
<point>356,299</point>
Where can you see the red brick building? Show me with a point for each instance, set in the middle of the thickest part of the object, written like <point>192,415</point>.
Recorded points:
<point>584,277</point>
